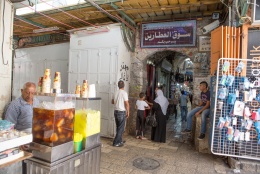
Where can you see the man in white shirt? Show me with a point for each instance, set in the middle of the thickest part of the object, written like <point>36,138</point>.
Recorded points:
<point>121,112</point>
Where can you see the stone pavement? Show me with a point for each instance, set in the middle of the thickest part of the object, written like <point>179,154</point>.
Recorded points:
<point>176,156</point>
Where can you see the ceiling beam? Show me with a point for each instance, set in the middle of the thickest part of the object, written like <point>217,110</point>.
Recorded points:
<point>112,17</point>
<point>176,16</point>
<point>30,21</point>
<point>147,9</point>
<point>123,14</point>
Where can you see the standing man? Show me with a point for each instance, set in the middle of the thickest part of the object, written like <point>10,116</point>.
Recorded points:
<point>121,112</point>
<point>203,109</point>
<point>183,105</point>
<point>20,111</point>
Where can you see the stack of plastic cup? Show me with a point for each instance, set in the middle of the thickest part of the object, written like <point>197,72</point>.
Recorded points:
<point>46,85</point>
<point>57,83</point>
<point>84,90</point>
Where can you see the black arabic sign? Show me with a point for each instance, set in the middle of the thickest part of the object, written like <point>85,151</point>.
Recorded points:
<point>170,34</point>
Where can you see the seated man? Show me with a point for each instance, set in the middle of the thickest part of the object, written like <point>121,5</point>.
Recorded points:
<point>20,111</point>
<point>203,109</point>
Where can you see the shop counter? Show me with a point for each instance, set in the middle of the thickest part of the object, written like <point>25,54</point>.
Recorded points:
<point>85,162</point>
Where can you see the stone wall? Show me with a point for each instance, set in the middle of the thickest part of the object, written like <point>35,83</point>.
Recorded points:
<point>138,70</point>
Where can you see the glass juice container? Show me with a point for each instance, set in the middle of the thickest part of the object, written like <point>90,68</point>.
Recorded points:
<point>53,119</point>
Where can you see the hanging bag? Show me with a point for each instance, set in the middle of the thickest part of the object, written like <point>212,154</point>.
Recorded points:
<point>151,120</point>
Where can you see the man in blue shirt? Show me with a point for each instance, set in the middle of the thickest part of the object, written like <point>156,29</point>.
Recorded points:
<point>203,109</point>
<point>20,111</point>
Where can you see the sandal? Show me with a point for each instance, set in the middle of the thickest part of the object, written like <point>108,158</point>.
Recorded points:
<point>137,137</point>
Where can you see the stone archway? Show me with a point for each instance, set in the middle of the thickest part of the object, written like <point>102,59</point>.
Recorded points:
<point>138,74</point>
<point>162,68</point>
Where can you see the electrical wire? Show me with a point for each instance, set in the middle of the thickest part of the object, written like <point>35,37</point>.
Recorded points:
<point>100,8</point>
<point>3,20</point>
<point>56,8</point>
<point>48,16</point>
<point>132,28</point>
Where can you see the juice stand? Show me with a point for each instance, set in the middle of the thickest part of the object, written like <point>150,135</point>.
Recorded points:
<point>54,125</point>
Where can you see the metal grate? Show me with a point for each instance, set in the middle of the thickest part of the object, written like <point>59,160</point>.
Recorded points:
<point>236,119</point>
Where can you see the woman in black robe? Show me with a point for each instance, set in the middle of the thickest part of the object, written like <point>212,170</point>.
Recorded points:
<point>160,106</point>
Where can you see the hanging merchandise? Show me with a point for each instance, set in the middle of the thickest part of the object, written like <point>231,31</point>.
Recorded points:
<point>230,80</point>
<point>247,113</point>
<point>227,122</point>
<point>257,127</point>
<point>246,83</point>
<point>230,133</point>
<point>225,67</point>
<point>220,105</point>
<point>247,136</point>
<point>221,122</point>
<point>46,83</point>
<point>231,98</point>
<point>255,115</point>
<point>236,120</point>
<point>258,97</point>
<point>253,93</point>
<point>222,93</point>
<point>239,108</point>
<point>223,80</point>
<point>240,67</point>
<point>236,135</point>
<point>249,124</point>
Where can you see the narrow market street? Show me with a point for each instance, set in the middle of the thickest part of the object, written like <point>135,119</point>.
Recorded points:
<point>176,156</point>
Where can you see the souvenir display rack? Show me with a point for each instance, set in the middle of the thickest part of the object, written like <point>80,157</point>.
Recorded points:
<point>236,121</point>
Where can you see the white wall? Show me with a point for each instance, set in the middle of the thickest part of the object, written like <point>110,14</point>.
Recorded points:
<point>6,30</point>
<point>100,58</point>
<point>105,40</point>
<point>30,63</point>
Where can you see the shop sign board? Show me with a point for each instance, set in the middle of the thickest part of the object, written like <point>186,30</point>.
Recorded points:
<point>253,52</point>
<point>169,34</point>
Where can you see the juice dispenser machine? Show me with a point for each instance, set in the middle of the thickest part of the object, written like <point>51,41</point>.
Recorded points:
<point>53,126</point>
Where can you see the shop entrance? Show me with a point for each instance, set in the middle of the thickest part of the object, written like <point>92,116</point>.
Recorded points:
<point>172,71</point>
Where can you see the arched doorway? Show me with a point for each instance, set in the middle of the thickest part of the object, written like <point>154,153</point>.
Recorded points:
<point>169,70</point>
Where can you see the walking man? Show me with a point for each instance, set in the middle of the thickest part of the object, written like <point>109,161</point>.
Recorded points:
<point>183,105</point>
<point>121,112</point>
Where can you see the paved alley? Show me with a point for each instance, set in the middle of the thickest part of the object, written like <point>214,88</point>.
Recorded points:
<point>176,156</point>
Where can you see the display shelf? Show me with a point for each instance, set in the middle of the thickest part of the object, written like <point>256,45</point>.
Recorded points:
<point>16,158</point>
<point>8,144</point>
<point>95,98</point>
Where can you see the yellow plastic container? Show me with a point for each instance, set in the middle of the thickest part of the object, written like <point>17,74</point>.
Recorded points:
<point>87,122</point>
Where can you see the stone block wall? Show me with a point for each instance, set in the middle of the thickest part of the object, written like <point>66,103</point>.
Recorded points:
<point>138,74</point>
<point>201,145</point>
<point>248,166</point>
<point>131,121</point>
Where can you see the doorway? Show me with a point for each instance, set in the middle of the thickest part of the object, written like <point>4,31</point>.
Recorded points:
<point>171,71</point>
